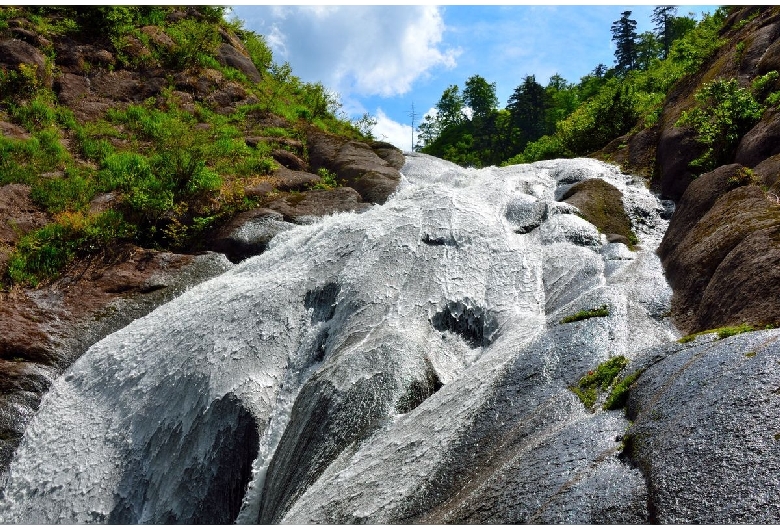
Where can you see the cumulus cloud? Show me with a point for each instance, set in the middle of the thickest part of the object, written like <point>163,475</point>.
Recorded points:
<point>389,130</point>
<point>366,50</point>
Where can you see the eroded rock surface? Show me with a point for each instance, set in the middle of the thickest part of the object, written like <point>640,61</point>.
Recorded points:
<point>408,364</point>
<point>706,430</point>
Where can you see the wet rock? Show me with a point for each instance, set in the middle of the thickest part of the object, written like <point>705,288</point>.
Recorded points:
<point>43,331</point>
<point>248,234</point>
<point>526,213</point>
<point>705,430</point>
<point>303,207</point>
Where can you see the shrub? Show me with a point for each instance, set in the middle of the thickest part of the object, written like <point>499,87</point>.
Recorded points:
<point>327,180</point>
<point>723,114</point>
<point>43,254</point>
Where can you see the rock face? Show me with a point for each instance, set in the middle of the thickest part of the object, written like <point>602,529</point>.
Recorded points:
<point>706,430</point>
<point>43,331</point>
<point>408,364</point>
<point>357,164</point>
<point>720,253</point>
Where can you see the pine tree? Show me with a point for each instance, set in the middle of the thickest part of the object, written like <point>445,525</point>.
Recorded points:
<point>624,35</point>
<point>527,106</point>
<point>663,17</point>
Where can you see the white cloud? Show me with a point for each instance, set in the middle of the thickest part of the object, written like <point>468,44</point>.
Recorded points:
<point>388,130</point>
<point>366,50</point>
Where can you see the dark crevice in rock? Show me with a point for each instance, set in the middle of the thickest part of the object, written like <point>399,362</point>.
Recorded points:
<point>221,445</point>
<point>322,301</point>
<point>473,323</point>
<point>324,422</point>
<point>439,241</point>
<point>419,390</point>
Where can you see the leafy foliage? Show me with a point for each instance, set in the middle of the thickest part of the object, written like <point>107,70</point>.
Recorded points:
<point>566,120</point>
<point>725,111</point>
<point>170,168</point>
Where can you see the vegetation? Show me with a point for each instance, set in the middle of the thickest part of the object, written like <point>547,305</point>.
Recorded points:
<point>602,311</point>
<point>726,331</point>
<point>597,381</point>
<point>563,119</point>
<point>724,113</point>
<point>171,167</point>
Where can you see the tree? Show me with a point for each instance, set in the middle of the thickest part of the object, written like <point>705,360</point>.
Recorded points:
<point>450,107</point>
<point>624,35</point>
<point>480,96</point>
<point>648,49</point>
<point>527,106</point>
<point>663,17</point>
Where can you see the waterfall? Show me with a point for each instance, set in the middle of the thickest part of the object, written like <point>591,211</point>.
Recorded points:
<point>398,365</point>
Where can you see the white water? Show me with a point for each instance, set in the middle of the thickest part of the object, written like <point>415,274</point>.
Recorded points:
<point>123,436</point>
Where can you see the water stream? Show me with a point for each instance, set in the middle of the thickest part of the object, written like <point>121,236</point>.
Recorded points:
<point>395,365</point>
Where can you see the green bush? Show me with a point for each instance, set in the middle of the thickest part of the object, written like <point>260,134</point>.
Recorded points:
<point>724,112</point>
<point>41,255</point>
<point>195,42</point>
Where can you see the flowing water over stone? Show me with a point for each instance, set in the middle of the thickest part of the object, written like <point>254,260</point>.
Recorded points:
<point>406,364</point>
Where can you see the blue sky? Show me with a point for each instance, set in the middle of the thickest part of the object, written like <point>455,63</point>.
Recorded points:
<point>384,59</point>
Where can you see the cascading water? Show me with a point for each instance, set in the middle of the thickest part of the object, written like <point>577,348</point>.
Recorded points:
<point>404,364</point>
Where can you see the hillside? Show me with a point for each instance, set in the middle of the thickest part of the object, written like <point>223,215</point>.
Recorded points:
<point>721,253</point>
<point>140,144</point>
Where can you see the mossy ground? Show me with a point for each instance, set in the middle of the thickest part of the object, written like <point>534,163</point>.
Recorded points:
<point>604,380</point>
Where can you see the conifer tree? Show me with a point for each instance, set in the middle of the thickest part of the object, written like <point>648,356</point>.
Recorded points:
<point>663,17</point>
<point>624,35</point>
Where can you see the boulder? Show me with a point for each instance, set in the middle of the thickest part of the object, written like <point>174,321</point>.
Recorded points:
<point>355,163</point>
<point>303,207</point>
<point>227,55</point>
<point>71,88</point>
<point>713,228</point>
<point>289,180</point>
<point>601,204</point>
<point>761,142</point>
<point>389,153</point>
<point>676,149</point>
<point>705,430</point>
<point>248,234</point>
<point>289,160</point>
<point>14,52</point>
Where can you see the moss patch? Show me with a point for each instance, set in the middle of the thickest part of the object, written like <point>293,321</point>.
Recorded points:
<point>598,381</point>
<point>601,204</point>
<point>726,331</point>
<point>602,311</point>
